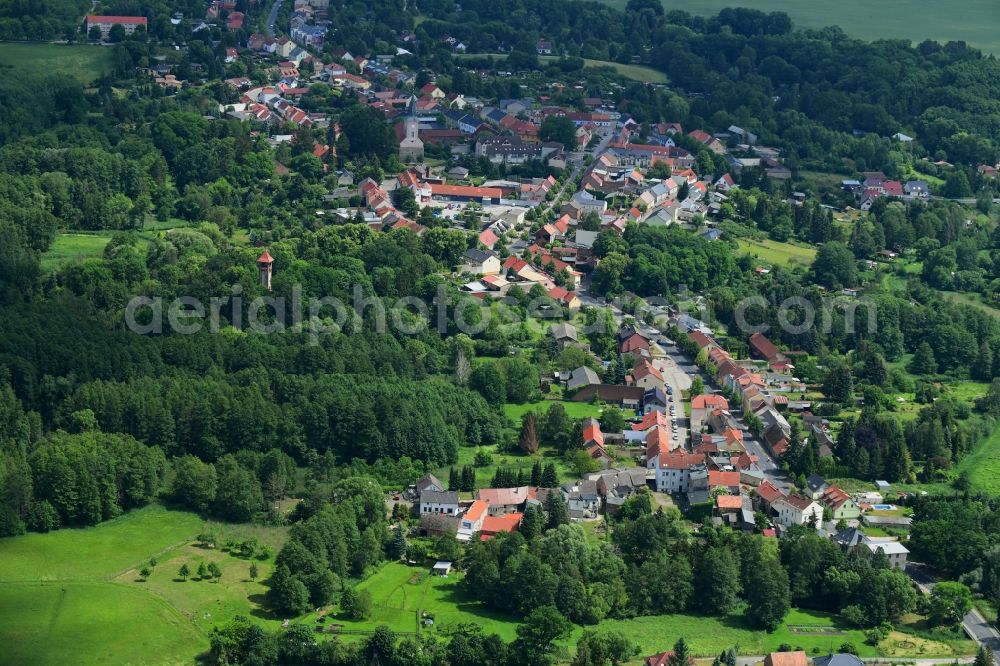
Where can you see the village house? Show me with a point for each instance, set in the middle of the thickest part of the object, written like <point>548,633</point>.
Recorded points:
<point>890,547</point>
<point>480,262</point>
<point>505,500</point>
<point>797,658</point>
<point>472,520</point>
<point>444,502</point>
<point>798,510</point>
<point>840,504</point>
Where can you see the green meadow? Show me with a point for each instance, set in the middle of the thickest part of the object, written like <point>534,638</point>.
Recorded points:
<point>82,62</point>
<point>972,21</point>
<point>775,252</point>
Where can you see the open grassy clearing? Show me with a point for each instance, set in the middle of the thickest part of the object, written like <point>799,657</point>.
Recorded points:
<point>972,21</point>
<point>773,252</point>
<point>983,464</point>
<point>82,62</point>
<point>70,247</point>
<point>96,552</point>
<point>634,72</point>
<point>97,623</point>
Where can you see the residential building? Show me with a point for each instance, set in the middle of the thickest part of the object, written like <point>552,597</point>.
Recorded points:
<point>445,502</point>
<point>798,510</point>
<point>472,520</point>
<point>797,658</point>
<point>504,500</point>
<point>891,548</point>
<point>480,262</point>
<point>582,376</point>
<point>105,23</point>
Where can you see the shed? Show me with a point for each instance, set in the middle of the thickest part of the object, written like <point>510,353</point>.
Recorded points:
<point>882,485</point>
<point>441,568</point>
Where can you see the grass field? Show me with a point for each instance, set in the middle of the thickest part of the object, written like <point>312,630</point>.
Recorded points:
<point>209,603</point>
<point>95,552</point>
<point>972,21</point>
<point>70,247</point>
<point>97,623</point>
<point>75,592</point>
<point>84,63</point>
<point>634,72</point>
<point>773,252</point>
<point>575,410</point>
<point>983,465</point>
<point>402,594</point>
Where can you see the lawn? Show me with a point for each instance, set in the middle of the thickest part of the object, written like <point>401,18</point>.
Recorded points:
<point>70,247</point>
<point>96,552</point>
<point>972,21</point>
<point>97,623</point>
<point>773,252</point>
<point>575,410</point>
<point>402,593</point>
<point>84,63</point>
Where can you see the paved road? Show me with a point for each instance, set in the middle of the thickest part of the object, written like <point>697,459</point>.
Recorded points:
<point>974,623</point>
<point>272,17</point>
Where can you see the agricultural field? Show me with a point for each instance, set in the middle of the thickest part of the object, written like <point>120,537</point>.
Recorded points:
<point>774,252</point>
<point>82,62</point>
<point>972,21</point>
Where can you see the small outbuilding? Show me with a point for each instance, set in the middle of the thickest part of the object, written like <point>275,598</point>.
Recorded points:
<point>441,568</point>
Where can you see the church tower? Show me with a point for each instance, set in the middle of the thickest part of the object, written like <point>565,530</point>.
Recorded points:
<point>411,148</point>
<point>264,265</point>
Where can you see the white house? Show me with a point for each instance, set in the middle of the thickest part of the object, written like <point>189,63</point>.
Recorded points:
<point>797,510</point>
<point>480,262</point>
<point>439,502</point>
<point>673,471</point>
<point>894,550</point>
<point>472,520</point>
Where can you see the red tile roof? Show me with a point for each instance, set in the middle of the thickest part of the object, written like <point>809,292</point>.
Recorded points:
<point>728,501</point>
<point>504,496</point>
<point>265,258</point>
<point>727,479</point>
<point>476,510</point>
<point>507,522</point>
<point>709,401</point>
<point>466,191</point>
<point>136,20</point>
